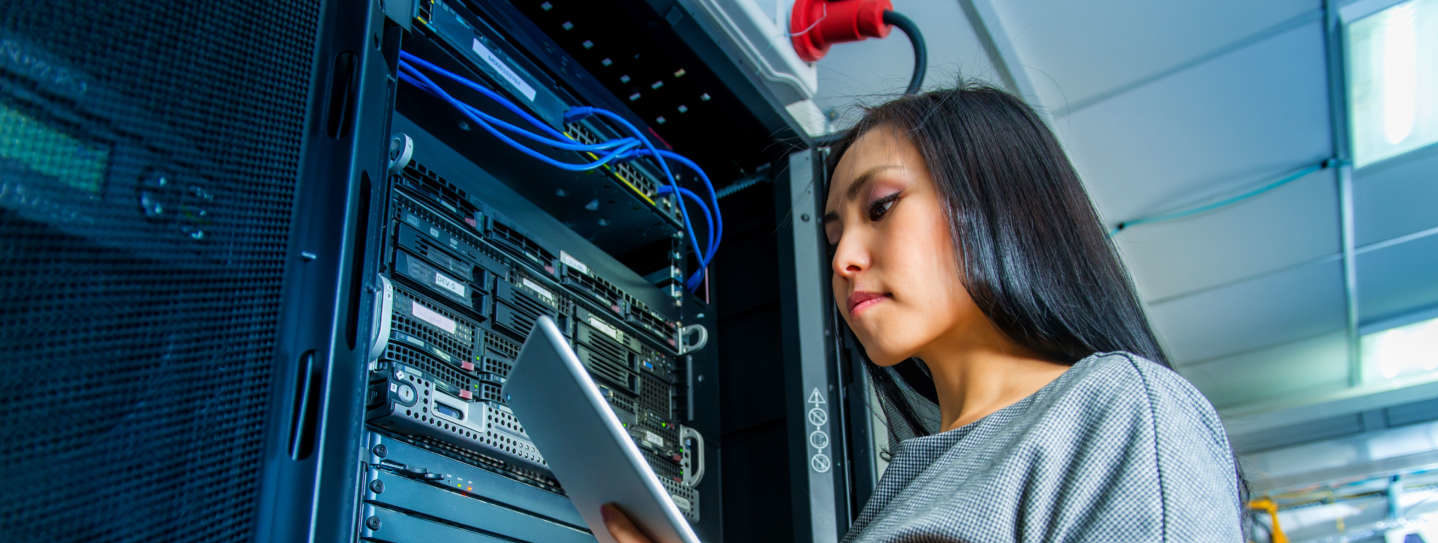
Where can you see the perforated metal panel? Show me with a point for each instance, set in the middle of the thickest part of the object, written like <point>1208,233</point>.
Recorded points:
<point>149,153</point>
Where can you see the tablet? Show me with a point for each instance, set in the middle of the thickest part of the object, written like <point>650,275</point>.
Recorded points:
<point>583,442</point>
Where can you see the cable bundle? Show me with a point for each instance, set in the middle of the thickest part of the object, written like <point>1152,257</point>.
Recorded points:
<point>633,147</point>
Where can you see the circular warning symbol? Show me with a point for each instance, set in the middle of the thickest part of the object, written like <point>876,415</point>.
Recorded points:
<point>818,439</point>
<point>817,416</point>
<point>819,462</point>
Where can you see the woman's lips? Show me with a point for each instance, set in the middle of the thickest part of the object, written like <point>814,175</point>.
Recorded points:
<point>860,301</point>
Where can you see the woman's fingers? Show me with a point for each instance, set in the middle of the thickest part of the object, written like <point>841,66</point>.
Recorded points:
<point>620,527</point>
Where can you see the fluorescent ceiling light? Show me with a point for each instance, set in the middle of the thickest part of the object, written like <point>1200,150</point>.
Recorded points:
<point>1392,60</point>
<point>1401,352</point>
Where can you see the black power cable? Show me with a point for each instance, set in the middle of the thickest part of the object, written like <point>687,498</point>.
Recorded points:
<point>921,53</point>
<point>921,65</point>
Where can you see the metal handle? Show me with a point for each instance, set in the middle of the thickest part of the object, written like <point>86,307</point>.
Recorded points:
<point>384,314</point>
<point>696,469</point>
<point>685,332</point>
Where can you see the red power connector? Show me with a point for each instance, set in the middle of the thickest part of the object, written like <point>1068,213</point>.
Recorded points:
<point>814,25</point>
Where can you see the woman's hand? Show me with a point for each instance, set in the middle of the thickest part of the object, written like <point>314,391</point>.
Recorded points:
<point>620,527</point>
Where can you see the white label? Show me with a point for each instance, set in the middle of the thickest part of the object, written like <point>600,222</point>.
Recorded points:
<point>504,71</point>
<point>681,503</point>
<point>604,327</point>
<point>428,315</point>
<point>653,439</point>
<point>451,284</point>
<point>572,262</point>
<point>541,291</point>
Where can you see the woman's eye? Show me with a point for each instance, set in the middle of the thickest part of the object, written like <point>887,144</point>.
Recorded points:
<point>880,207</point>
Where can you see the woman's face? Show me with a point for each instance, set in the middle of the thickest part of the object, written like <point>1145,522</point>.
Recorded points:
<point>895,272</point>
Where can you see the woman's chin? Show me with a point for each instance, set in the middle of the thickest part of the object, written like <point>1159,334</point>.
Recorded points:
<point>884,359</point>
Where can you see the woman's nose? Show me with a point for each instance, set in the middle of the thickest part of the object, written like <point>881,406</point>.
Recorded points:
<point>850,258</point>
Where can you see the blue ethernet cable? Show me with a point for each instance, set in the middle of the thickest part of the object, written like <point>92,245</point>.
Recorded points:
<point>708,218</point>
<point>708,185</point>
<point>659,155</point>
<point>580,112</point>
<point>413,76</point>
<point>622,148</point>
<point>411,57</point>
<point>704,177</point>
<point>429,86</point>
<point>716,222</point>
<point>566,144</point>
<point>692,283</point>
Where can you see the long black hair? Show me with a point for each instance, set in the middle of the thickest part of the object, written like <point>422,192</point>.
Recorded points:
<point>1032,252</point>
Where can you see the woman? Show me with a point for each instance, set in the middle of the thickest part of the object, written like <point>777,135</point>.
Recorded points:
<point>1009,345</point>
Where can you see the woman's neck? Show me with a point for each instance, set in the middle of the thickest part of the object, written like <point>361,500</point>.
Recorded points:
<point>978,374</point>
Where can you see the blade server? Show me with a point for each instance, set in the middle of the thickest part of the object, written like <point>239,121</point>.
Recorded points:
<point>478,241</point>
<point>267,267</point>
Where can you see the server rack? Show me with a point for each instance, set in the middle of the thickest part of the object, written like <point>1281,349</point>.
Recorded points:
<point>415,254</point>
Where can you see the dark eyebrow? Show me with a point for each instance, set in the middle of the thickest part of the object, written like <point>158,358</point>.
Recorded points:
<point>857,186</point>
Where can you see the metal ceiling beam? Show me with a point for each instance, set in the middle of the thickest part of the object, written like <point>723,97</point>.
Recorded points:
<point>990,29</point>
<point>1282,27</point>
<point>1338,116</point>
<point>1352,470</point>
<point>1323,259</point>
<point>1279,412</point>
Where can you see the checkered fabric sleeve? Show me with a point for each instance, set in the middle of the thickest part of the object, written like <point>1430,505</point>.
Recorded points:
<point>1116,449</point>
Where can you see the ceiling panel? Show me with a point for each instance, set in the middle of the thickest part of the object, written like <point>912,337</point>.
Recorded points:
<point>1302,302</point>
<point>1235,121</point>
<point>874,71</point>
<point>1398,279</point>
<point>1294,223</point>
<point>1076,51</point>
<point>1396,197</point>
<point>1308,366</point>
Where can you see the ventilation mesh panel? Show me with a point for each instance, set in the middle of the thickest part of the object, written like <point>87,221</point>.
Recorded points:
<point>136,368</point>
